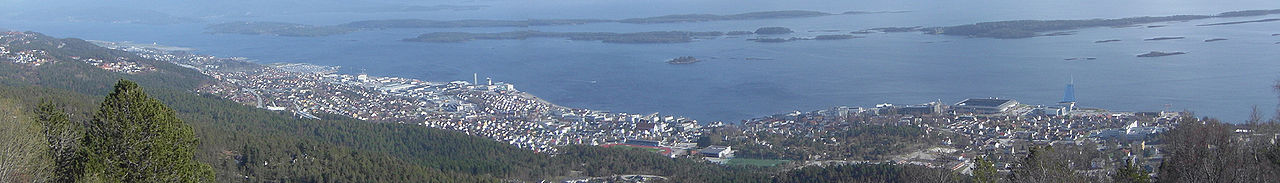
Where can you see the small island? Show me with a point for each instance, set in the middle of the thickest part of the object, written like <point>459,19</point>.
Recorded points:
<point>683,60</point>
<point>771,40</point>
<point>1215,39</point>
<point>1275,34</point>
<point>773,30</point>
<point>1107,41</point>
<point>738,33</point>
<point>1163,38</point>
<point>834,37</point>
<point>862,32</point>
<point>1160,54</point>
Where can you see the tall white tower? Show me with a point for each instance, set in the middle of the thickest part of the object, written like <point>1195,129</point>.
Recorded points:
<point>475,79</point>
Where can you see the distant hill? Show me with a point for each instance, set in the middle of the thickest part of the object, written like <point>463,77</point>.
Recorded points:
<point>302,30</point>
<point>107,14</point>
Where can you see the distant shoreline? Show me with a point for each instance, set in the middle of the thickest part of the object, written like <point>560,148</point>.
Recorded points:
<point>1015,29</point>
<point>304,30</point>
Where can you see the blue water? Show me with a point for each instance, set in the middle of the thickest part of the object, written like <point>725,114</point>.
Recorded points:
<point>1221,79</point>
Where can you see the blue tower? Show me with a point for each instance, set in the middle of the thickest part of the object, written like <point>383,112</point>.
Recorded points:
<point>1069,96</point>
<point>1068,102</point>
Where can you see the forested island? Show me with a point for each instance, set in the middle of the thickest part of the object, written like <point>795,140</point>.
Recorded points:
<point>1215,39</point>
<point>683,60</point>
<point>1107,41</point>
<point>773,30</point>
<point>1160,54</point>
<point>1241,22</point>
<point>1163,38</point>
<point>1031,28</point>
<point>738,33</point>
<point>771,40</point>
<point>607,37</point>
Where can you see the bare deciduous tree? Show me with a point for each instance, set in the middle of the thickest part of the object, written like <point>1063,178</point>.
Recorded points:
<point>20,145</point>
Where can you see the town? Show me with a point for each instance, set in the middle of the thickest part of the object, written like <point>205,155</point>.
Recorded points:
<point>947,135</point>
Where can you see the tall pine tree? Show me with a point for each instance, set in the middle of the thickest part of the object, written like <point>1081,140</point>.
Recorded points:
<point>135,138</point>
<point>63,138</point>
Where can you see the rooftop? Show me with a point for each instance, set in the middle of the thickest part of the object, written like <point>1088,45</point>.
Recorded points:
<point>988,102</point>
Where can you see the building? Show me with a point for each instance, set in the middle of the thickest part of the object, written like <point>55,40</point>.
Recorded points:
<point>985,106</point>
<point>1068,102</point>
<point>717,151</point>
<point>926,108</point>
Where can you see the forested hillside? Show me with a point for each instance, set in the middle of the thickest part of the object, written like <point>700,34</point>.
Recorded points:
<point>242,143</point>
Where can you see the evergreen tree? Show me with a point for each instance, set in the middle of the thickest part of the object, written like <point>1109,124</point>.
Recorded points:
<point>63,139</point>
<point>135,138</point>
<point>984,171</point>
<point>1130,173</point>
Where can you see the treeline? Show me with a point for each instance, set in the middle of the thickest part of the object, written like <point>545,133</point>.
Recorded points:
<point>1208,150</point>
<point>870,173</point>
